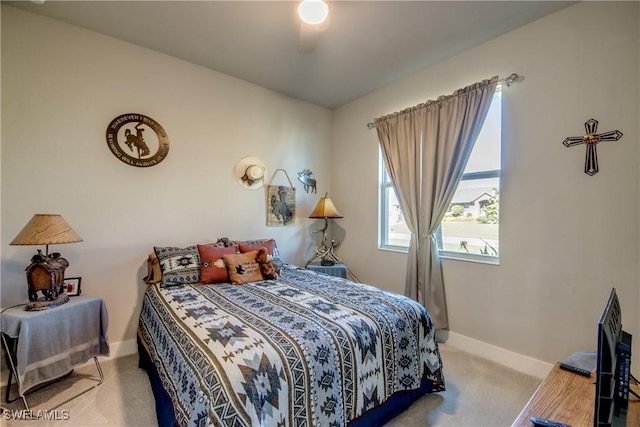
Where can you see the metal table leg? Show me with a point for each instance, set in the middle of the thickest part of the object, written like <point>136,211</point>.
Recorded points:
<point>13,373</point>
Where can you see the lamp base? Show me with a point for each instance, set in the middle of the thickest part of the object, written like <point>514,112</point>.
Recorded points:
<point>45,274</point>
<point>326,255</point>
<point>44,304</point>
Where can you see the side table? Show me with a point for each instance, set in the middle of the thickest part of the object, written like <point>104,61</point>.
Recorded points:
<point>337,270</point>
<point>45,345</point>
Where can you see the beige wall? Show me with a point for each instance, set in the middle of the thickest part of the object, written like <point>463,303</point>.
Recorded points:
<point>566,237</point>
<point>62,85</point>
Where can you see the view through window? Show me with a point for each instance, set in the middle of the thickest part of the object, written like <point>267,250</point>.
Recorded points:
<point>470,228</point>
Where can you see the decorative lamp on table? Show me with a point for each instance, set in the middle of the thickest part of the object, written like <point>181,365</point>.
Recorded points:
<point>325,209</point>
<point>46,272</point>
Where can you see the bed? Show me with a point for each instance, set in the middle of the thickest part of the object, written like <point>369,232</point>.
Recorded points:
<point>304,349</point>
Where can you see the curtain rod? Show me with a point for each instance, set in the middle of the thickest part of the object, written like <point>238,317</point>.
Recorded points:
<point>513,78</point>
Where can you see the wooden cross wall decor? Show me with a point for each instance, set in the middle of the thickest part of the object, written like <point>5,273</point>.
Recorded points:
<point>590,140</point>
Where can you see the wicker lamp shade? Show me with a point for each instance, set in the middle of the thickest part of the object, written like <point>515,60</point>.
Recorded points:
<point>46,229</point>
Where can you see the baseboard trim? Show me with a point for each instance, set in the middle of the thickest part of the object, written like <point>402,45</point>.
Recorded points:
<point>519,362</point>
<point>116,349</point>
<point>122,348</point>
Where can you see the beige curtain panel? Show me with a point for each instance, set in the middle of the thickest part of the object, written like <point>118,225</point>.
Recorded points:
<point>425,149</point>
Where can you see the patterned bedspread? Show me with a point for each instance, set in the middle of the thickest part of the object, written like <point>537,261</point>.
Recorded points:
<point>303,350</point>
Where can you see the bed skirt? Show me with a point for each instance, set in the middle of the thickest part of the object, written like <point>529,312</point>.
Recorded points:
<point>164,407</point>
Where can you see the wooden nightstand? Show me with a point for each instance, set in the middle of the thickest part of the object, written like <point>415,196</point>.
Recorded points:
<point>74,332</point>
<point>337,270</point>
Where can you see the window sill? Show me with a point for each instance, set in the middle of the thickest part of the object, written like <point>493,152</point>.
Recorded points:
<point>397,249</point>
<point>480,259</point>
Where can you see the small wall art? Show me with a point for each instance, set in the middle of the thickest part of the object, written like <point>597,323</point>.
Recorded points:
<point>251,172</point>
<point>590,139</point>
<point>305,178</point>
<point>281,203</point>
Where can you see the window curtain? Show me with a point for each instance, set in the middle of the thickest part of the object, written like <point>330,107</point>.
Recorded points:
<point>425,149</point>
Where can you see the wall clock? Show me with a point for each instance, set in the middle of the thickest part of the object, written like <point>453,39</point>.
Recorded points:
<point>137,140</point>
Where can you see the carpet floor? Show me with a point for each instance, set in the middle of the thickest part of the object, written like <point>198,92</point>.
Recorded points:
<point>479,393</point>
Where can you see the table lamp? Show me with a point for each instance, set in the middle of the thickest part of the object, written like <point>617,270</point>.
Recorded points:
<point>46,272</point>
<point>325,209</point>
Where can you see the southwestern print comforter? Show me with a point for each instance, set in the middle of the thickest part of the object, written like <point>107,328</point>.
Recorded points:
<point>305,349</point>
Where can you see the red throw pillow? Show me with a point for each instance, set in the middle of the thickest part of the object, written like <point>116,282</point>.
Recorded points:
<point>244,248</point>
<point>212,266</point>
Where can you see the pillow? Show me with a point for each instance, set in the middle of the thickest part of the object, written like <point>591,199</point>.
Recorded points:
<point>154,273</point>
<point>270,244</point>
<point>212,266</point>
<point>225,242</point>
<point>248,247</point>
<point>179,266</point>
<point>243,268</point>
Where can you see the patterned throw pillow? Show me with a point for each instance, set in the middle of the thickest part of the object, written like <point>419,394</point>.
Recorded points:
<point>212,266</point>
<point>243,268</point>
<point>179,265</point>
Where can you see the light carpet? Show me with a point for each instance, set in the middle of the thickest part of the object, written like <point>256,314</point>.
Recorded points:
<point>479,393</point>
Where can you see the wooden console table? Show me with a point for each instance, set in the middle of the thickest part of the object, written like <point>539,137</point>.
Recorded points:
<point>569,398</point>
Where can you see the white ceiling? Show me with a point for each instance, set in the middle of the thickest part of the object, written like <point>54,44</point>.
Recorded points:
<point>366,45</point>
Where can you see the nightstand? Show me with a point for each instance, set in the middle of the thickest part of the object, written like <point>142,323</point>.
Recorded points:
<point>46,345</point>
<point>337,270</point>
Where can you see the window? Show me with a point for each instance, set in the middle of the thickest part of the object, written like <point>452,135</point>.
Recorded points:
<point>470,227</point>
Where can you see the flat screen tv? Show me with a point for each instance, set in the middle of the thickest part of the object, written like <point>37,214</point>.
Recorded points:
<point>613,363</point>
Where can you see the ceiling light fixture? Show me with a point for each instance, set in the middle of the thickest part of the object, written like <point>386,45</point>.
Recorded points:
<point>313,11</point>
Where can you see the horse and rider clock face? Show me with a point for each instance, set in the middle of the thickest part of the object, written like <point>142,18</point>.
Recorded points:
<point>137,140</point>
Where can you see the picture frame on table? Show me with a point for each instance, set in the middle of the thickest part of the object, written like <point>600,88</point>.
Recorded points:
<point>71,285</point>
